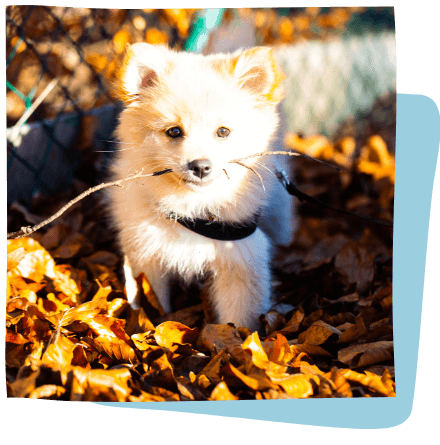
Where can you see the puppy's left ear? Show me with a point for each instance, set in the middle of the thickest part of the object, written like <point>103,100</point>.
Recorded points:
<point>257,71</point>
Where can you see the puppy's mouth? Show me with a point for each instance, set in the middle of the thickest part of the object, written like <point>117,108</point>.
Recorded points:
<point>198,183</point>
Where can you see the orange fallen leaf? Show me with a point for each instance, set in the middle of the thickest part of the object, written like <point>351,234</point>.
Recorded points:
<point>296,385</point>
<point>221,392</point>
<point>371,381</point>
<point>59,354</point>
<point>171,333</point>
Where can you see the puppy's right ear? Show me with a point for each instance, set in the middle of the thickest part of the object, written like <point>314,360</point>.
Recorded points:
<point>143,65</point>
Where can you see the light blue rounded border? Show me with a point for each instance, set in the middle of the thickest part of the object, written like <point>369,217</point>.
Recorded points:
<point>417,144</point>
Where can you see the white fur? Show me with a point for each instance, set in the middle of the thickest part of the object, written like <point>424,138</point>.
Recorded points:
<point>194,92</point>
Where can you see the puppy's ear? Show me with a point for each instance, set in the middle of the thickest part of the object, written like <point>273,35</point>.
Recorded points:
<point>257,71</point>
<point>142,67</point>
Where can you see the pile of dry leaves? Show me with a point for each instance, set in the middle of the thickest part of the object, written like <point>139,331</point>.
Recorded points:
<point>71,335</point>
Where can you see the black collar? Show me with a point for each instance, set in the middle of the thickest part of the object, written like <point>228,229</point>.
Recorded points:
<point>217,230</point>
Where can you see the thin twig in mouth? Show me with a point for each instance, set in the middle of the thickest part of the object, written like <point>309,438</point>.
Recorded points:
<point>252,170</point>
<point>288,153</point>
<point>226,173</point>
<point>25,231</point>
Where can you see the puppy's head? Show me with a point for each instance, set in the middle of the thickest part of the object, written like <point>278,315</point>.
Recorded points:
<point>195,114</point>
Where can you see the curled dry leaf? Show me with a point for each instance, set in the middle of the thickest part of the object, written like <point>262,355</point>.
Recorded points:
<point>257,381</point>
<point>356,264</point>
<point>366,354</point>
<point>372,381</point>
<point>279,351</point>
<point>216,337</point>
<point>297,385</point>
<point>272,321</point>
<point>318,333</point>
<point>258,355</point>
<point>97,384</point>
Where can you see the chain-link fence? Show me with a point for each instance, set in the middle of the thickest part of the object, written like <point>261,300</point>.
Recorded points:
<point>62,64</point>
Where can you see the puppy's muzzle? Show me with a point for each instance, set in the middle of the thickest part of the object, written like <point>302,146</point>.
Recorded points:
<point>201,168</point>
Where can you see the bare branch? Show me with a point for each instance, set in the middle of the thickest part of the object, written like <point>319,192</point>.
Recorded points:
<point>287,153</point>
<point>26,231</point>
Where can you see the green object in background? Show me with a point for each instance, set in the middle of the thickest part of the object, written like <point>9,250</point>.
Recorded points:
<point>206,20</point>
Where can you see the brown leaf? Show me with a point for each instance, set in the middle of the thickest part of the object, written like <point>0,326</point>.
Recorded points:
<point>257,382</point>
<point>366,354</point>
<point>188,390</point>
<point>318,333</point>
<point>309,350</point>
<point>103,257</point>
<point>25,381</point>
<point>189,316</point>
<point>160,372</point>
<point>75,244</point>
<point>380,369</point>
<point>54,236</point>
<point>327,248</point>
<point>212,370</point>
<point>216,337</point>
<point>16,354</point>
<point>357,265</point>
<point>272,321</point>
<point>97,384</point>
<point>114,347</point>
<point>355,332</point>
<point>79,357</point>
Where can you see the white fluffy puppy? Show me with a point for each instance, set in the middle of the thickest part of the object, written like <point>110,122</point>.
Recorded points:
<point>194,114</point>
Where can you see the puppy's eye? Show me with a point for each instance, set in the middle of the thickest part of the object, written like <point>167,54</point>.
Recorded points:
<point>223,132</point>
<point>174,132</point>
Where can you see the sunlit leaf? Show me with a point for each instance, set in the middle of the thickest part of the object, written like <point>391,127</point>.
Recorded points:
<point>170,333</point>
<point>221,392</point>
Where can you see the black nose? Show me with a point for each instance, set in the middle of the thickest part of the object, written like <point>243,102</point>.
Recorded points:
<point>200,167</point>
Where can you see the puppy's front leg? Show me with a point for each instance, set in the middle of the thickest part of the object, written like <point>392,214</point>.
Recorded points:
<point>241,286</point>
